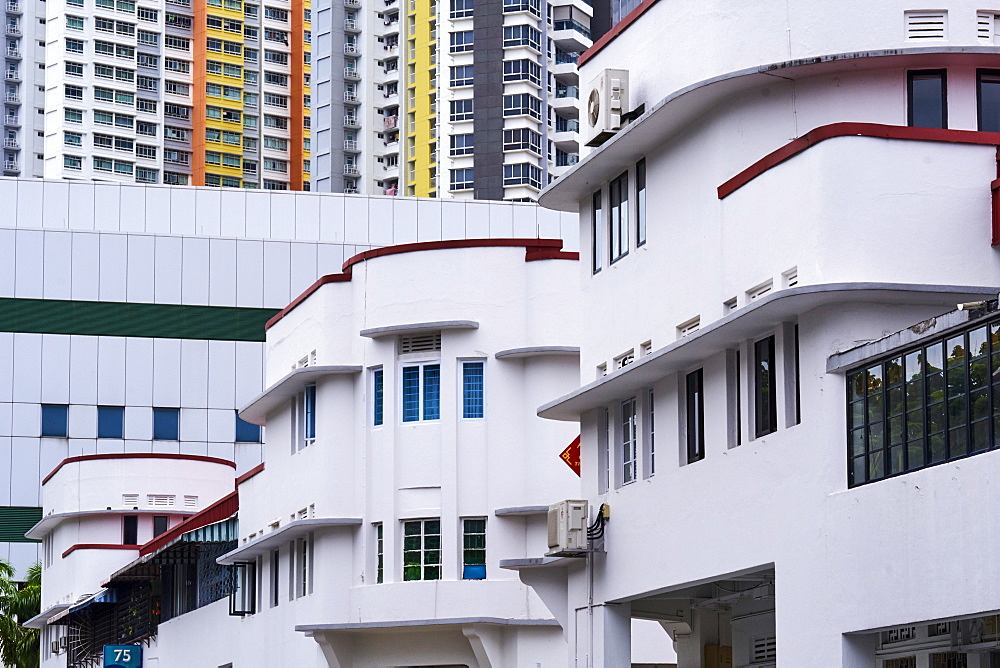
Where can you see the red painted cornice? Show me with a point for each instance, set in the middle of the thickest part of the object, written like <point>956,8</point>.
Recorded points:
<point>137,455</point>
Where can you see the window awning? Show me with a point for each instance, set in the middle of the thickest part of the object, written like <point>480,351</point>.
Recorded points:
<point>290,531</point>
<point>294,382</point>
<point>42,618</point>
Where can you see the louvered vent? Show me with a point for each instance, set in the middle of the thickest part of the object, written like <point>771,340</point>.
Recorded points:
<point>420,343</point>
<point>159,500</point>
<point>130,500</point>
<point>190,501</point>
<point>764,649</point>
<point>926,25</point>
<point>984,26</point>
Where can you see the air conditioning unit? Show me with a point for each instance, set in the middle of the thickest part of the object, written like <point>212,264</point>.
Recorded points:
<point>607,100</point>
<point>568,529</point>
<point>64,642</point>
<point>54,647</point>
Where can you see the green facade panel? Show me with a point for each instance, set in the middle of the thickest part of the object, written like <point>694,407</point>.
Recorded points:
<point>15,521</point>
<point>164,321</point>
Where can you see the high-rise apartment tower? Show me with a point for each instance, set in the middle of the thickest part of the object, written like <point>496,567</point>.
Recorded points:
<point>200,92</point>
<point>21,96</point>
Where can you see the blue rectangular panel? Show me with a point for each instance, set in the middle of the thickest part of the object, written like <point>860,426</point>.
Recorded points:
<point>122,656</point>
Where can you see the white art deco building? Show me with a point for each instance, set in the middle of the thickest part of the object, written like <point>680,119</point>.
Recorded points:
<point>776,249</point>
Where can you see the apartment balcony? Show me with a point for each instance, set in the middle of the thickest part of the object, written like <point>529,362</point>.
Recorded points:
<point>13,30</point>
<point>351,146</point>
<point>12,98</point>
<point>11,120</point>
<point>350,25</point>
<point>567,106</point>
<point>11,143</point>
<point>10,166</point>
<point>391,122</point>
<point>12,75</point>
<point>566,159</point>
<point>351,98</point>
<point>13,52</point>
<point>352,50</point>
<point>352,74</point>
<point>13,7</point>
<point>350,190</point>
<point>351,121</point>
<point>351,170</point>
<point>568,92</point>
<point>352,3</point>
<point>569,35</point>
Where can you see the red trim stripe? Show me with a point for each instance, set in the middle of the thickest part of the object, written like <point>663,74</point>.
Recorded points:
<point>531,244</point>
<point>218,511</point>
<point>137,455</point>
<point>98,546</point>
<point>249,474</point>
<point>877,130</point>
<point>618,29</point>
<point>532,248</point>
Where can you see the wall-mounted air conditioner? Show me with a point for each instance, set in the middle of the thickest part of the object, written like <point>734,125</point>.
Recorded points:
<point>568,528</point>
<point>54,647</point>
<point>607,100</point>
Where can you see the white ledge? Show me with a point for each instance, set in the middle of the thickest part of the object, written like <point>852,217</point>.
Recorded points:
<point>521,511</point>
<point>290,531</point>
<point>444,621</point>
<point>537,351</point>
<point>256,411</point>
<point>746,323</point>
<point>413,328</point>
<point>41,619</point>
<point>537,562</point>
<point>51,521</point>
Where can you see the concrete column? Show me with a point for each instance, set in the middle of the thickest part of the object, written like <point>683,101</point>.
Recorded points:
<point>604,636</point>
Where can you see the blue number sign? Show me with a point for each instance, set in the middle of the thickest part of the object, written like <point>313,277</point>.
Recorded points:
<point>122,656</point>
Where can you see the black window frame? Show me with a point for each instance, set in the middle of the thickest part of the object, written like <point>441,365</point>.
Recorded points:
<point>161,524</point>
<point>694,406</point>
<point>979,97</point>
<point>640,203</point>
<point>130,529</point>
<point>765,388</point>
<point>912,75</point>
<point>618,218</point>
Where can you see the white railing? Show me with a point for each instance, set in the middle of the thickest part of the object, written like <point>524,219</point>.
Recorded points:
<point>350,145</point>
<point>10,120</point>
<point>10,143</point>
<point>350,120</point>
<point>350,97</point>
<point>351,72</point>
<point>351,170</point>
<point>12,97</point>
<point>13,30</point>
<point>9,166</point>
<point>351,49</point>
<point>13,7</point>
<point>350,24</point>
<point>13,52</point>
<point>12,74</point>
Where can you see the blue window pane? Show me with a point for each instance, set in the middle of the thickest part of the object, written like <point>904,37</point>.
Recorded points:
<point>432,391</point>
<point>411,394</point>
<point>55,420</point>
<point>472,390</point>
<point>166,424</point>
<point>110,421</point>
<point>246,432</point>
<point>377,399</point>
<point>310,412</point>
<point>474,572</point>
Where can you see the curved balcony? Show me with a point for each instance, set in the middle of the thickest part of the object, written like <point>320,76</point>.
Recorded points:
<point>13,30</point>
<point>351,98</point>
<point>351,146</point>
<point>351,25</point>
<point>351,170</point>
<point>11,143</point>
<point>351,121</point>
<point>10,166</point>
<point>13,7</point>
<point>352,50</point>
<point>13,52</point>
<point>352,74</point>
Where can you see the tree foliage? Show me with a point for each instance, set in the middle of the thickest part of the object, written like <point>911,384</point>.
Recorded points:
<point>19,602</point>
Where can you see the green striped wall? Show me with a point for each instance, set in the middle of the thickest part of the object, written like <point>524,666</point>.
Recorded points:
<point>164,321</point>
<point>15,521</point>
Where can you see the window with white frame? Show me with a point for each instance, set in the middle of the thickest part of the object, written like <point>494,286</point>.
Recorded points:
<point>305,419</point>
<point>301,572</point>
<point>618,220</point>
<point>628,440</point>
<point>422,549</point>
<point>473,390</point>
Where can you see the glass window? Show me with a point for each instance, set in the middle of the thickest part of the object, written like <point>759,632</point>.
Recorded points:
<point>377,397</point>
<point>421,392</point>
<point>461,110</point>
<point>596,233</point>
<point>160,524</point>
<point>928,99</point>
<point>695,415</point>
<point>462,179</point>
<point>379,555</point>
<point>765,388</point>
<point>166,424</point>
<point>130,530</point>
<point>640,202</point>
<point>461,9</point>
<point>618,220</point>
<point>473,395</point>
<point>461,145</point>
<point>110,419</point>
<point>628,436</point>
<point>989,100</point>
<point>55,420</point>
<point>422,550</point>
<point>309,415</point>
<point>461,75</point>
<point>474,549</point>
<point>461,41</point>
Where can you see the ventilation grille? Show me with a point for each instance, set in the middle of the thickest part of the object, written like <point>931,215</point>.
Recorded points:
<point>420,343</point>
<point>899,634</point>
<point>689,327</point>
<point>190,501</point>
<point>130,500</point>
<point>160,500</point>
<point>984,26</point>
<point>764,648</point>
<point>625,360</point>
<point>926,25</point>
